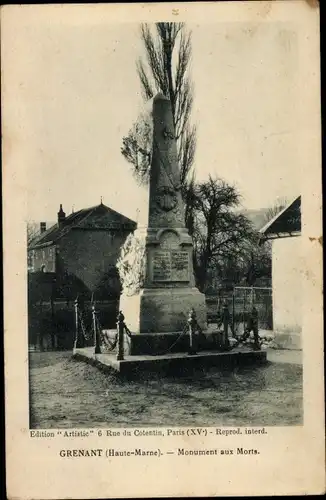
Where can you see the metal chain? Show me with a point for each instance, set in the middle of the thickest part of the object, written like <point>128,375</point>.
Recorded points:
<point>87,336</point>
<point>128,332</point>
<point>110,346</point>
<point>105,340</point>
<point>98,324</point>
<point>173,343</point>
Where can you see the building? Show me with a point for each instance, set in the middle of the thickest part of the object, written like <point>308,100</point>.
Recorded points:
<point>75,257</point>
<point>285,232</point>
<point>80,251</point>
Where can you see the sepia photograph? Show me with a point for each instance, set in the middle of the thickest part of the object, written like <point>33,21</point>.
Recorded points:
<point>162,249</point>
<point>164,223</point>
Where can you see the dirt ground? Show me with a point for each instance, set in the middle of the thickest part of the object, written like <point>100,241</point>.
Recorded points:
<point>67,393</point>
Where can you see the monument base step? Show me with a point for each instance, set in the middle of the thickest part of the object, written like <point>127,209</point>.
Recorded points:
<point>155,344</point>
<point>177,364</point>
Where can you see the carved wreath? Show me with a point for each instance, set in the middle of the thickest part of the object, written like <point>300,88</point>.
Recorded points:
<point>166,198</point>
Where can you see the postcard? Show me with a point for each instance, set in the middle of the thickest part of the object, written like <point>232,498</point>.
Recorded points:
<point>162,250</point>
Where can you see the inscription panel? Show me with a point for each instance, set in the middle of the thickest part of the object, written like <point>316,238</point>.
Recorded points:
<point>162,266</point>
<point>179,265</point>
<point>170,265</point>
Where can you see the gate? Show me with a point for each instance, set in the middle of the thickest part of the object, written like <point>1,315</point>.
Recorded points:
<point>240,302</point>
<point>244,299</point>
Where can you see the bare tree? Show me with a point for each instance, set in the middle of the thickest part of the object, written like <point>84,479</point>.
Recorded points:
<point>220,232</point>
<point>165,69</point>
<point>257,263</point>
<point>32,230</point>
<point>272,211</point>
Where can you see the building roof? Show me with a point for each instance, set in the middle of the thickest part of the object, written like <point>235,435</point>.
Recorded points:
<point>286,223</point>
<point>93,218</point>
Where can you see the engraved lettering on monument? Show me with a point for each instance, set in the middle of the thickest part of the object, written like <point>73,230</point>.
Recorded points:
<point>170,265</point>
<point>162,266</point>
<point>180,265</point>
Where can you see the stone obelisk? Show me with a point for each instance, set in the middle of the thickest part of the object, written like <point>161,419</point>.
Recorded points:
<point>168,291</point>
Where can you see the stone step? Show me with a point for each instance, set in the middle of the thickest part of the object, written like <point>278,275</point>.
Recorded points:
<point>177,364</point>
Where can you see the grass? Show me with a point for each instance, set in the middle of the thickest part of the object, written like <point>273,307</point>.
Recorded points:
<point>66,393</point>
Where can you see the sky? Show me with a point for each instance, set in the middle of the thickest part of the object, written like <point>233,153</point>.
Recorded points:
<point>78,95</point>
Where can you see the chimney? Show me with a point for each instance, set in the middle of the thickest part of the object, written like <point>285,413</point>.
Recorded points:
<point>61,217</point>
<point>42,227</point>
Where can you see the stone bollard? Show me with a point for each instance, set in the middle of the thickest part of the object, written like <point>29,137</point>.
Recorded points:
<point>192,323</point>
<point>79,341</point>
<point>120,328</point>
<point>226,321</point>
<point>97,347</point>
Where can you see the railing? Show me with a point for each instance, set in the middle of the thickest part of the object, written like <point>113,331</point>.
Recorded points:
<point>241,301</point>
<point>101,342</point>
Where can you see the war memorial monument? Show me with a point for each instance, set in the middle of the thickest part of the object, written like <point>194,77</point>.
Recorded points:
<point>162,324</point>
<point>168,288</point>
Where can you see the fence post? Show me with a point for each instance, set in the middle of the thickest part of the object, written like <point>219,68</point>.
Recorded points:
<point>244,309</point>
<point>233,313</point>
<point>226,320</point>
<point>120,327</point>
<point>97,347</point>
<point>192,323</point>
<point>78,337</point>
<point>254,316</point>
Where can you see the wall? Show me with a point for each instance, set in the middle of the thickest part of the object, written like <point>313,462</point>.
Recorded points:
<point>42,257</point>
<point>89,254</point>
<point>287,291</point>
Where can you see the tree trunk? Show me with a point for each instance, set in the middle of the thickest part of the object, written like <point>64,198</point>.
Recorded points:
<point>168,55</point>
<point>201,276</point>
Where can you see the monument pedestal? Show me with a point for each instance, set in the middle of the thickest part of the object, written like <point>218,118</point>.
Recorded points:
<point>163,310</point>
